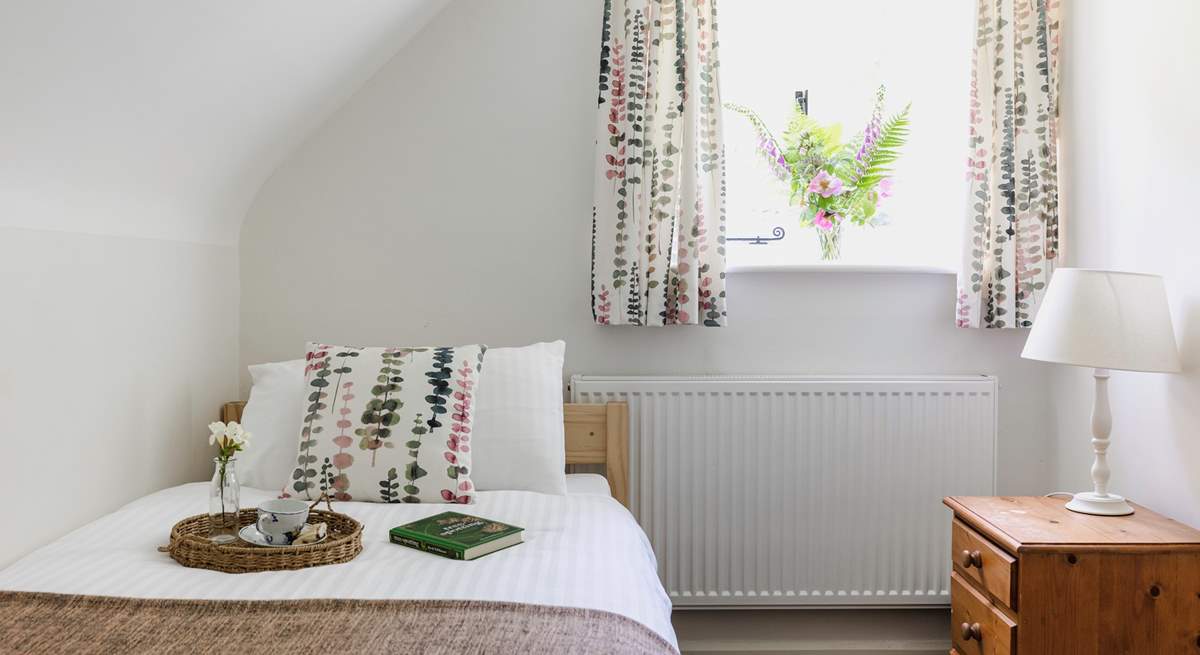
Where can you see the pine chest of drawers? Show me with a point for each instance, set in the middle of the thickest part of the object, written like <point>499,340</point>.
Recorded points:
<point>1033,578</point>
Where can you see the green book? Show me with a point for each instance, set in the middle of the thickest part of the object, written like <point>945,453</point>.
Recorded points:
<point>457,536</point>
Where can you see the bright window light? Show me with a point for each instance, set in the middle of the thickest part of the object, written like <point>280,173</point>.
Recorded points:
<point>840,52</point>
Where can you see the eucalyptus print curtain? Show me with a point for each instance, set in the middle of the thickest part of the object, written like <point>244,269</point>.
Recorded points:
<point>1012,235</point>
<point>658,222</point>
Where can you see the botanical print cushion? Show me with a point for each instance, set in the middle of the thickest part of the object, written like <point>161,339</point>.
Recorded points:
<point>388,425</point>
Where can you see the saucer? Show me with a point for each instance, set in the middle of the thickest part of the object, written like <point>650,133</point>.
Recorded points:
<point>251,535</point>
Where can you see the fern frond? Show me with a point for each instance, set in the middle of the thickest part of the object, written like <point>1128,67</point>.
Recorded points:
<point>768,148</point>
<point>800,126</point>
<point>892,136</point>
<point>804,135</point>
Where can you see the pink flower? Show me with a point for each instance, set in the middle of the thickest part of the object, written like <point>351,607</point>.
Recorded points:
<point>825,221</point>
<point>885,187</point>
<point>825,185</point>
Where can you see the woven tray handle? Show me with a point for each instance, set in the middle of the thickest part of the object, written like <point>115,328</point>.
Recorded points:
<point>325,497</point>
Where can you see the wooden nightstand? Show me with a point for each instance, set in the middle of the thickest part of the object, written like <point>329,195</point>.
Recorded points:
<point>1034,578</point>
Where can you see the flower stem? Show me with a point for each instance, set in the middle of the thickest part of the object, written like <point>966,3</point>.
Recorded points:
<point>831,247</point>
<point>223,511</point>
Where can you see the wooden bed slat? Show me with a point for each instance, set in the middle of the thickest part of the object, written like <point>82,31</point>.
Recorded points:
<point>595,434</point>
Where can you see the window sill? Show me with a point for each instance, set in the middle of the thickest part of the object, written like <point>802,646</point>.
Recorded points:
<point>841,268</point>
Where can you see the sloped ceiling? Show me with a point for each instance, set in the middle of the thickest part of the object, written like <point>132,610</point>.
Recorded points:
<point>161,119</point>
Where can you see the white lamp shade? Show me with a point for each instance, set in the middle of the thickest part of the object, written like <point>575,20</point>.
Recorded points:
<point>1105,319</point>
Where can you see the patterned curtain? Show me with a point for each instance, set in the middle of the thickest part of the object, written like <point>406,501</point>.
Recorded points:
<point>658,222</point>
<point>1012,235</point>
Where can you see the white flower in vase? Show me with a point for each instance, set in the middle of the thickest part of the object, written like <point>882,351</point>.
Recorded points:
<point>229,437</point>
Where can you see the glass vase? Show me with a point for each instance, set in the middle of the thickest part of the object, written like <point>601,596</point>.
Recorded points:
<point>831,243</point>
<point>223,498</point>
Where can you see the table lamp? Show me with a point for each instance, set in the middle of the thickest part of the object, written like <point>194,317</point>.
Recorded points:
<point>1104,320</point>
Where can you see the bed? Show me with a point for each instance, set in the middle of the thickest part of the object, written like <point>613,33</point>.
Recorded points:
<point>584,580</point>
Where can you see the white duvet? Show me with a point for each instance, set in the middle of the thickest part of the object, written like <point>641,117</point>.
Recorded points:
<point>581,550</point>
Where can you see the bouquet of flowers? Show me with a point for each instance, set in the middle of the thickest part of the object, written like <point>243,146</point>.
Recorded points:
<point>833,182</point>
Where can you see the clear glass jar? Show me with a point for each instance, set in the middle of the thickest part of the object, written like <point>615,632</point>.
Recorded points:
<point>831,243</point>
<point>223,498</point>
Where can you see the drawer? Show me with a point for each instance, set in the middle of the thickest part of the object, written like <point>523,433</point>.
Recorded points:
<point>976,626</point>
<point>992,569</point>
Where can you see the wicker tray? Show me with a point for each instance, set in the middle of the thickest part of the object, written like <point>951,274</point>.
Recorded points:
<point>190,546</point>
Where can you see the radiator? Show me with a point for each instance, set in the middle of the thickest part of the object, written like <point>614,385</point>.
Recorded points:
<point>799,491</point>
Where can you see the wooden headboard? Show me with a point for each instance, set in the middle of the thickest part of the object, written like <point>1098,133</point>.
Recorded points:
<point>595,434</point>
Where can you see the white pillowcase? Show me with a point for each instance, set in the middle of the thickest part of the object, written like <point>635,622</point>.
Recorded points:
<point>518,431</point>
<point>517,435</point>
<point>272,417</point>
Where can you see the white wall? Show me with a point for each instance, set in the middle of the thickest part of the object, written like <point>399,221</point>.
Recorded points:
<point>161,119</point>
<point>449,201</point>
<point>134,136</point>
<point>1129,195</point>
<point>116,353</point>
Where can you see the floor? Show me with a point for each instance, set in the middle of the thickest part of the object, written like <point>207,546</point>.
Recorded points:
<point>814,631</point>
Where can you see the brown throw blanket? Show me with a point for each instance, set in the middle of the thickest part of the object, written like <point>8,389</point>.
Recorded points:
<point>54,623</point>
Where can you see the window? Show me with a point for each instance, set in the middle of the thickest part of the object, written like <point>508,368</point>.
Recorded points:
<point>840,52</point>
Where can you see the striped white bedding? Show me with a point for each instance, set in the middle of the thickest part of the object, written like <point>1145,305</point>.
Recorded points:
<point>581,550</point>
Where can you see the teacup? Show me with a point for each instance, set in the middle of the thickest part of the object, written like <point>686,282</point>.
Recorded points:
<point>281,520</point>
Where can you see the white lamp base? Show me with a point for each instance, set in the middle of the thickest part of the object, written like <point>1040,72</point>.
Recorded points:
<point>1089,502</point>
<point>1099,501</point>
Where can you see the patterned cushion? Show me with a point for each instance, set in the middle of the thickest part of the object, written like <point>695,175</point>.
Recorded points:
<point>387,425</point>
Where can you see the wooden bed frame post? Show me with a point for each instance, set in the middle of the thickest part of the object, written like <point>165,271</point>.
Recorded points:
<point>595,434</point>
<point>617,464</point>
<point>599,434</point>
<point>232,411</point>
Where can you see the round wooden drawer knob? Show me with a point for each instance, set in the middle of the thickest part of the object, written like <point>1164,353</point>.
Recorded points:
<point>969,558</point>
<point>972,631</point>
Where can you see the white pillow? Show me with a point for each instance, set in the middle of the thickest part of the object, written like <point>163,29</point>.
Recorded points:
<point>518,432</point>
<point>272,416</point>
<point>518,428</point>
